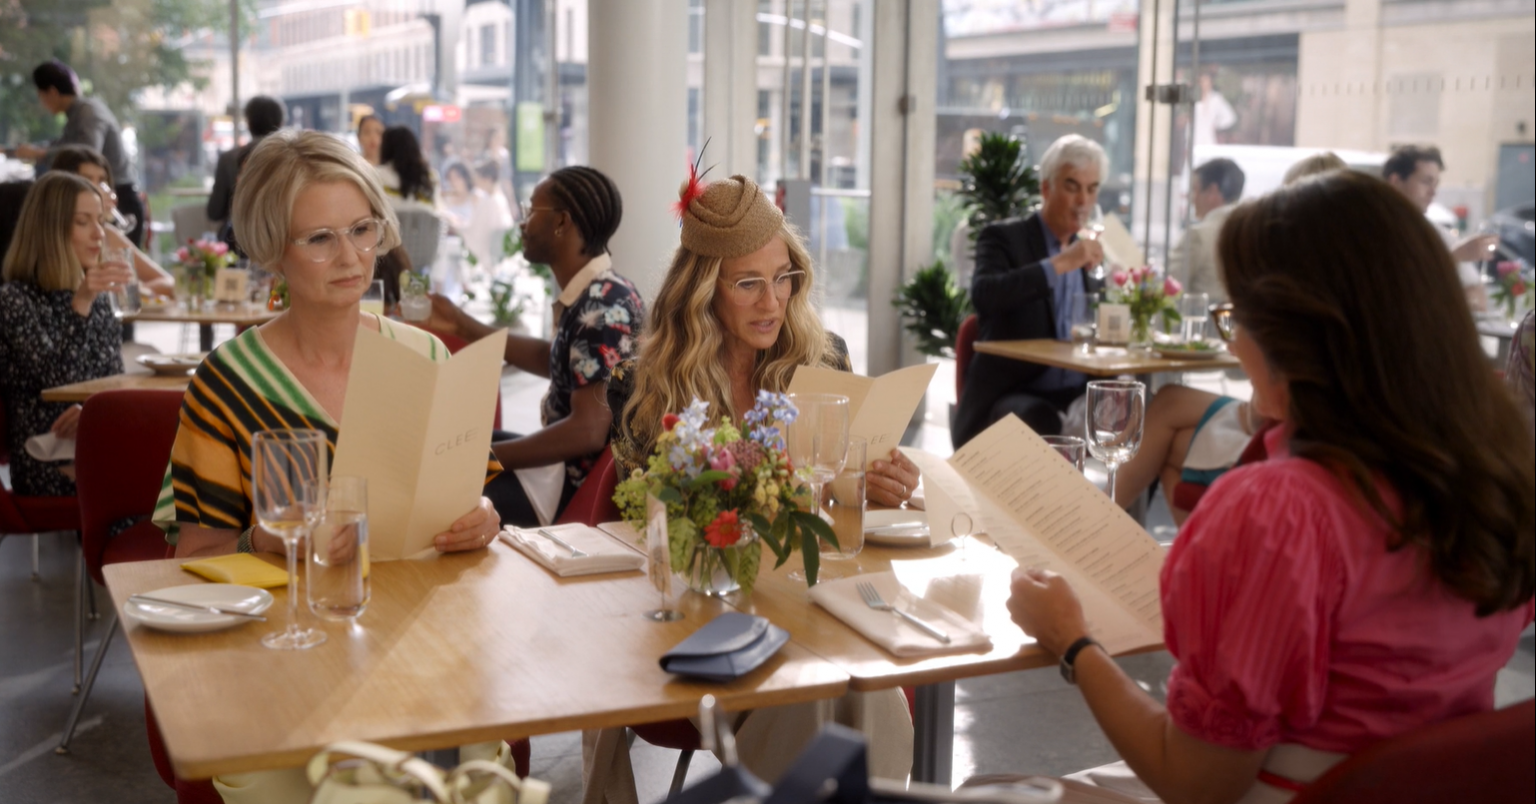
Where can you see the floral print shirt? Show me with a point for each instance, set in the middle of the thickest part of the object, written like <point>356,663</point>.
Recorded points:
<point>596,332</point>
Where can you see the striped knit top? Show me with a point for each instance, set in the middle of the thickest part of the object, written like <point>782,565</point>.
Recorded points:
<point>241,389</point>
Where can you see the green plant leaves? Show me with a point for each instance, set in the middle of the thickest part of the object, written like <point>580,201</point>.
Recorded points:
<point>932,308</point>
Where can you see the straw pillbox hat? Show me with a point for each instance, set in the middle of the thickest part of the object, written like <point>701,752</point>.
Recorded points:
<point>730,218</point>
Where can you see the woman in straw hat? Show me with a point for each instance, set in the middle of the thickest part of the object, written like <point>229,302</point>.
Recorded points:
<point>734,316</point>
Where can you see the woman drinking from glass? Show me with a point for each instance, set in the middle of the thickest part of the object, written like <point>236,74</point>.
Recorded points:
<point>1373,574</point>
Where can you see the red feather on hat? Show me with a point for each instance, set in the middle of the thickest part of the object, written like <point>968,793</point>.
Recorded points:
<point>691,189</point>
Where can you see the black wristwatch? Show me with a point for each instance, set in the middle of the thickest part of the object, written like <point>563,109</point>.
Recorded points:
<point>1069,659</point>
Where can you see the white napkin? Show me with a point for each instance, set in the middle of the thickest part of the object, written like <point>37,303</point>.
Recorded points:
<point>604,553</point>
<point>49,447</point>
<point>886,628</point>
<point>543,485</point>
<point>875,519</point>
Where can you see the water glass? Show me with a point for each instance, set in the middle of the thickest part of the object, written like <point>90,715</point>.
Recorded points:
<point>1082,308</point>
<point>1194,308</point>
<point>847,505</point>
<point>1116,412</point>
<point>817,443</point>
<point>288,476</point>
<point>415,304</point>
<point>1072,448</point>
<point>124,298</point>
<point>337,577</point>
<point>373,298</point>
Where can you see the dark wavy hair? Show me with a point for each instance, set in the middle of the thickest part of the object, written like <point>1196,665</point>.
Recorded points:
<point>402,151</point>
<point>1353,299</point>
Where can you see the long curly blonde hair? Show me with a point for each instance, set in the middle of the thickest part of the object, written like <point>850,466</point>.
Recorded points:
<point>682,352</point>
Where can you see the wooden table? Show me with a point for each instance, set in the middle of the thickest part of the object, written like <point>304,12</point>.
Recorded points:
<point>81,391</point>
<point>1104,361</point>
<point>976,586</point>
<point>241,315</point>
<point>458,649</point>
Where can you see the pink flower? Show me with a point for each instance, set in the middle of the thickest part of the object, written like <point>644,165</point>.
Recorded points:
<point>1506,268</point>
<point>724,531</point>
<point>1171,287</point>
<point>221,248</point>
<point>721,459</point>
<point>182,254</point>
<point>1120,278</point>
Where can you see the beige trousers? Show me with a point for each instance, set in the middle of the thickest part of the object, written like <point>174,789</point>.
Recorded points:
<point>768,742</point>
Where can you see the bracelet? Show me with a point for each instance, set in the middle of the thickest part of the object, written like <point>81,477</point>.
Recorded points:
<point>243,544</point>
<point>1069,659</point>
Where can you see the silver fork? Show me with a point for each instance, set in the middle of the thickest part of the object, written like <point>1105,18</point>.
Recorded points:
<point>873,599</point>
<point>557,540</point>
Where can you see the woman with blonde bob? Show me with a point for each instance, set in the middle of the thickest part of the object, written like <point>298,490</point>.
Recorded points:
<point>56,325</point>
<point>735,316</point>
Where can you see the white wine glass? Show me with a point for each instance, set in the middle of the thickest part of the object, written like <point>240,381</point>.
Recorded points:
<point>1116,412</point>
<point>817,443</point>
<point>288,479</point>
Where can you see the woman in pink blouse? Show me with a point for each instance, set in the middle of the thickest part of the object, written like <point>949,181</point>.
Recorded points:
<point>1375,573</point>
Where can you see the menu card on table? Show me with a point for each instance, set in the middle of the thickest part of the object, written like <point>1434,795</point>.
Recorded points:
<point>892,400</point>
<point>1044,513</point>
<point>420,432</point>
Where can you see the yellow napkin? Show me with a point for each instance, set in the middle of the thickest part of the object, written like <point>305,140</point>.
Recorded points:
<point>239,568</point>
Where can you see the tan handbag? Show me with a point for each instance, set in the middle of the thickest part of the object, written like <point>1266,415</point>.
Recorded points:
<point>365,773</point>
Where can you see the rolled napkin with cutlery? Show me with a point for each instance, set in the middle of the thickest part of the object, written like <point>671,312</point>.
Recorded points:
<point>888,625</point>
<point>574,549</point>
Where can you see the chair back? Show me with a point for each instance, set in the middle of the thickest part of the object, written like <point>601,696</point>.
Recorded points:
<point>965,349</point>
<point>1484,757</point>
<point>22,515</point>
<point>592,503</point>
<point>191,221</point>
<point>421,233</point>
<point>122,450</point>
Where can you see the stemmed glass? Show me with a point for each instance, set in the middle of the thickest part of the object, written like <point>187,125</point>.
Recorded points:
<point>1116,410</point>
<point>288,479</point>
<point>817,442</point>
<point>961,527</point>
<point>1193,309</point>
<point>1093,229</point>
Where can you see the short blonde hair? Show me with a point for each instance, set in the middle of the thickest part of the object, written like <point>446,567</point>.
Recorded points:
<point>1313,165</point>
<point>278,169</point>
<point>41,254</point>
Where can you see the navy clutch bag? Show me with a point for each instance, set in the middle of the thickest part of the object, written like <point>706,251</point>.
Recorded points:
<point>727,647</point>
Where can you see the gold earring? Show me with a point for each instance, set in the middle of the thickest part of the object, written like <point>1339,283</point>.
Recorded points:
<point>559,231</point>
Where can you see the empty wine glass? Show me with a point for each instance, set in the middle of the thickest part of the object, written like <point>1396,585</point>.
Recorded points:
<point>961,527</point>
<point>288,478</point>
<point>1116,410</point>
<point>817,443</point>
<point>1194,309</point>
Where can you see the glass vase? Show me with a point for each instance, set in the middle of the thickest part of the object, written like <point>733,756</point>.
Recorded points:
<point>1141,333</point>
<point>719,571</point>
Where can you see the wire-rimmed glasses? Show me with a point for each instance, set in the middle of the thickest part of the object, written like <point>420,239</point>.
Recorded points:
<point>288,480</point>
<point>322,245</point>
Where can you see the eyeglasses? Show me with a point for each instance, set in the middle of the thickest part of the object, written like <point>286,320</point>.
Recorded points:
<point>525,210</point>
<point>1226,324</point>
<point>323,245</point>
<point>752,289</point>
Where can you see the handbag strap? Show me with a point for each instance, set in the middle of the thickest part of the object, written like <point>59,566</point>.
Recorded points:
<point>528,791</point>
<point>392,762</point>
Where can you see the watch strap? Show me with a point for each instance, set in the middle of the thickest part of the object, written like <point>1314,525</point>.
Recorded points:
<point>1069,659</point>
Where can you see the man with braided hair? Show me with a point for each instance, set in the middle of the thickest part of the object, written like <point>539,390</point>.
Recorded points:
<point>566,225</point>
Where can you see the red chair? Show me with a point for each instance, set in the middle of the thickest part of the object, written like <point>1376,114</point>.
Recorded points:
<point>965,349</point>
<point>1484,757</point>
<point>1186,495</point>
<point>122,449</point>
<point>592,503</point>
<point>454,344</point>
<point>33,515</point>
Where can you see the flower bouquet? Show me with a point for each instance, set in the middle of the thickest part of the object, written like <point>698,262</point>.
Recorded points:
<point>1510,288</point>
<point>1147,294</point>
<point>199,262</point>
<point>724,489</point>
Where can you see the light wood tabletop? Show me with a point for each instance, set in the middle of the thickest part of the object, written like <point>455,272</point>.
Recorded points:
<point>1105,361</point>
<point>81,391</point>
<point>452,650</point>
<point>241,315</point>
<point>975,586</point>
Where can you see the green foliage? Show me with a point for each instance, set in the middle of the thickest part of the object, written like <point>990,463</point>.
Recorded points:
<point>856,224</point>
<point>506,305</point>
<point>932,307</point>
<point>948,211</point>
<point>996,182</point>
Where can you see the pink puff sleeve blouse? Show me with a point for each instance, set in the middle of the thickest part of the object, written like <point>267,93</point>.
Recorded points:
<point>1292,623</point>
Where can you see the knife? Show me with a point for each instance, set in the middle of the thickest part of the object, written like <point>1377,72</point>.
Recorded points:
<point>194,607</point>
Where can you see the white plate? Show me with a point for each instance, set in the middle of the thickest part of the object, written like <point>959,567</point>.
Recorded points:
<point>248,599</point>
<point>172,364</point>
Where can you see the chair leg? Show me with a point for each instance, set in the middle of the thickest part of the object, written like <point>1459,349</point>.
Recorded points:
<point>90,681</point>
<point>36,576</point>
<point>79,621</point>
<point>680,774</point>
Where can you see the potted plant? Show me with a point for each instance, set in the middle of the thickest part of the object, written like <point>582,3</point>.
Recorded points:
<point>932,308</point>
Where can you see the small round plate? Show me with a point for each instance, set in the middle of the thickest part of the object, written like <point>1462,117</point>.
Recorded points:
<point>248,599</point>
<point>912,534</point>
<point>1167,353</point>
<point>171,365</point>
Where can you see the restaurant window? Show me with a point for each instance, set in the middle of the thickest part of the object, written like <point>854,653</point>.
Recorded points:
<point>487,45</point>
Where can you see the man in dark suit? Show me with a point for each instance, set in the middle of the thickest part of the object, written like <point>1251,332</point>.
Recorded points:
<point>263,115</point>
<point>1027,272</point>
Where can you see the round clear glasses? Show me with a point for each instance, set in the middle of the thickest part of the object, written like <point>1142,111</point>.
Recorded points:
<point>322,245</point>
<point>751,289</point>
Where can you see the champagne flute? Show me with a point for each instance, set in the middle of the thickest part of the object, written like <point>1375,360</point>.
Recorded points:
<point>1116,410</point>
<point>817,443</point>
<point>1194,309</point>
<point>288,480</point>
